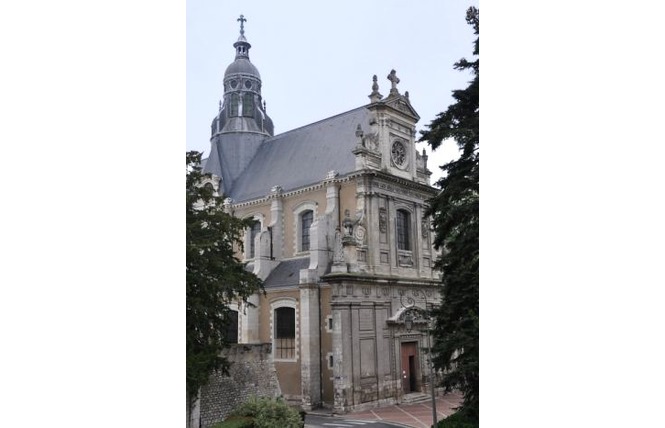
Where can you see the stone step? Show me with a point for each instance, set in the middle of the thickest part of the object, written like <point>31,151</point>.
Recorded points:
<point>415,397</point>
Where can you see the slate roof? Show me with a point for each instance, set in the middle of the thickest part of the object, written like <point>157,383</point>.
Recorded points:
<point>301,156</point>
<point>229,152</point>
<point>242,65</point>
<point>286,273</point>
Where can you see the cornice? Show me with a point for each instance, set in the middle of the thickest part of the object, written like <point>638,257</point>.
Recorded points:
<point>395,184</point>
<point>379,279</point>
<point>295,192</point>
<point>378,176</point>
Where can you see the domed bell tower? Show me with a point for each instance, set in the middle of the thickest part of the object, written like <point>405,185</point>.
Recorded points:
<point>242,123</point>
<point>243,108</point>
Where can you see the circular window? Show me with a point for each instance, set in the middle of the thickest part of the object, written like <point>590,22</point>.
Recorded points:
<point>398,153</point>
<point>234,83</point>
<point>248,84</point>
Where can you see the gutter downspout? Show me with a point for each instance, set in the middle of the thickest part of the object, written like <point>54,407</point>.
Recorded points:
<point>320,351</point>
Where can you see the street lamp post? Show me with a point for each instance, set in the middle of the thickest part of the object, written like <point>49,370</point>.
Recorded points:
<point>408,324</point>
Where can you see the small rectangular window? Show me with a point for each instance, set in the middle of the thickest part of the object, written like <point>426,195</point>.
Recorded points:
<point>403,228</point>
<point>306,220</point>
<point>233,108</point>
<point>232,327</point>
<point>255,230</point>
<point>248,105</point>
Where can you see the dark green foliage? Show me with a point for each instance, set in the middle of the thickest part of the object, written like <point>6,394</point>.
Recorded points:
<point>456,420</point>
<point>215,276</point>
<point>236,422</point>
<point>270,413</point>
<point>456,222</point>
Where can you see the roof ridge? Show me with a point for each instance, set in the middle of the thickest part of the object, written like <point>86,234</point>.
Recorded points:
<point>316,148</point>
<point>317,122</point>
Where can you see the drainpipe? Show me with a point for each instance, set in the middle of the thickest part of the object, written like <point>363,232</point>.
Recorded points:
<point>320,351</point>
<point>431,373</point>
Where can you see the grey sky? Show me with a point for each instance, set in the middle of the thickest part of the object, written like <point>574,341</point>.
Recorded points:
<point>317,59</point>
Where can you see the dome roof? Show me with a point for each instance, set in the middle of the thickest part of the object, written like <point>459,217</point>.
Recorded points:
<point>241,65</point>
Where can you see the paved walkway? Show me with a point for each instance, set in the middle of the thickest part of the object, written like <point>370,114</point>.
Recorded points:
<point>418,415</point>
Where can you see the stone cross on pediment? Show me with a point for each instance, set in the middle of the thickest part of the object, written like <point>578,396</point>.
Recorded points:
<point>394,80</point>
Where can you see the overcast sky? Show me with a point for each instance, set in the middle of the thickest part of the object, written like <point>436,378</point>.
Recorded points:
<point>317,59</point>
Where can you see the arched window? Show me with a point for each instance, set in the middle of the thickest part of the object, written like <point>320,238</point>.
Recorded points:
<point>253,232</point>
<point>304,215</point>
<point>403,230</point>
<point>285,333</point>
<point>233,107</point>
<point>306,219</point>
<point>248,104</point>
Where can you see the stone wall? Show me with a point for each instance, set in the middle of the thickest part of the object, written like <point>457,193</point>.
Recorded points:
<point>252,372</point>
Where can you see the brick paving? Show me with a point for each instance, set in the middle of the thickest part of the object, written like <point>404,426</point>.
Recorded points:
<point>418,415</point>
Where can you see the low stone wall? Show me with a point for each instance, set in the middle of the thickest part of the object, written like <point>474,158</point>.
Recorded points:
<point>252,372</point>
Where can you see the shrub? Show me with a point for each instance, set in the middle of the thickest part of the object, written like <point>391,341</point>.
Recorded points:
<point>236,422</point>
<point>457,420</point>
<point>270,413</point>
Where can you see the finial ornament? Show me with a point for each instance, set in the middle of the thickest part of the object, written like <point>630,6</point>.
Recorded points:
<point>264,107</point>
<point>242,24</point>
<point>375,96</point>
<point>394,80</point>
<point>220,105</point>
<point>359,131</point>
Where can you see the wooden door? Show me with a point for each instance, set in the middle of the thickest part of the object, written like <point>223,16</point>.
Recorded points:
<point>409,367</point>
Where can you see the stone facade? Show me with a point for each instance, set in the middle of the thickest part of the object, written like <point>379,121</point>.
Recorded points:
<point>251,373</point>
<point>343,246</point>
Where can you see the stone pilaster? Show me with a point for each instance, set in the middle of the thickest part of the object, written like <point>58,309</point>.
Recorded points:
<point>277,222</point>
<point>342,356</point>
<point>263,263</point>
<point>249,330</point>
<point>318,251</point>
<point>310,363</point>
<point>332,200</point>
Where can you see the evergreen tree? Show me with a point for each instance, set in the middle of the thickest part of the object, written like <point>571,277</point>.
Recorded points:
<point>456,222</point>
<point>215,277</point>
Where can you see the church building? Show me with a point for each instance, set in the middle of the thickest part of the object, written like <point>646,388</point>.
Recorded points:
<point>339,240</point>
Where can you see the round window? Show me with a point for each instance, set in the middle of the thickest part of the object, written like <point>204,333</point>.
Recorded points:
<point>398,153</point>
<point>234,83</point>
<point>248,84</point>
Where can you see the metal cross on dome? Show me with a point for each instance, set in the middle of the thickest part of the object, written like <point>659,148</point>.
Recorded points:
<point>242,23</point>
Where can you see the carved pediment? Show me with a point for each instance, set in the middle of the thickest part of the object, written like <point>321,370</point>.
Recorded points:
<point>419,315</point>
<point>402,104</point>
